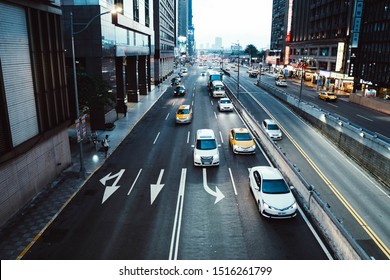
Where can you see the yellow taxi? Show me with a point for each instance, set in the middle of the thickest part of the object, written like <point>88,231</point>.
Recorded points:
<point>184,114</point>
<point>327,96</point>
<point>241,141</point>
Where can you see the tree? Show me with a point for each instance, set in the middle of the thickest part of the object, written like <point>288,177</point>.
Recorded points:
<point>92,92</point>
<point>251,50</point>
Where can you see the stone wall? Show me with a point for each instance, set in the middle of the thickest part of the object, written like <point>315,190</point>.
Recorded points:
<point>24,177</point>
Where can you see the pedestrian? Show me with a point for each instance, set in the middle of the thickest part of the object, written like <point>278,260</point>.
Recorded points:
<point>106,145</point>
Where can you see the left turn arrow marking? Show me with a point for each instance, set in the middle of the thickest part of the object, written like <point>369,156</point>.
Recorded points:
<point>109,190</point>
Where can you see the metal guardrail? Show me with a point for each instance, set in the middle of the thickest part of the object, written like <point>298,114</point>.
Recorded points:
<point>343,245</point>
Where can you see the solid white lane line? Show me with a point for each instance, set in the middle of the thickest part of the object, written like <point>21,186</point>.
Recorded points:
<point>167,117</point>
<point>155,140</point>
<point>231,178</point>
<point>188,137</point>
<point>174,248</point>
<point>135,181</point>
<point>327,253</point>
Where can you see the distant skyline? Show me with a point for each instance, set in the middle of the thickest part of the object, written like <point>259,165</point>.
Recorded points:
<point>245,21</point>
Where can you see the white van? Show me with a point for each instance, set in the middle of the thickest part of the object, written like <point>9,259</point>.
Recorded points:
<point>218,89</point>
<point>206,148</point>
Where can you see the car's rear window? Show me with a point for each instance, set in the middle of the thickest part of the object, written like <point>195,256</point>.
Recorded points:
<point>183,111</point>
<point>243,136</point>
<point>273,127</point>
<point>206,144</point>
<point>275,186</point>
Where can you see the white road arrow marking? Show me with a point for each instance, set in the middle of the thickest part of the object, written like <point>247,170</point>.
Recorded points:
<point>217,193</point>
<point>156,188</point>
<point>111,189</point>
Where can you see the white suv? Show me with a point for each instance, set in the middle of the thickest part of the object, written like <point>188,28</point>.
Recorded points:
<point>206,148</point>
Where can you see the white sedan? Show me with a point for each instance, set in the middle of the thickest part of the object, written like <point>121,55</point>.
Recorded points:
<point>224,104</point>
<point>273,196</point>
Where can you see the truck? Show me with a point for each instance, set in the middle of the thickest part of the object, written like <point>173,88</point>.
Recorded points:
<point>213,76</point>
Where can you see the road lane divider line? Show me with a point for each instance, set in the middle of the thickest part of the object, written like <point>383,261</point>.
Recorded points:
<point>382,246</point>
<point>363,117</point>
<point>215,115</point>
<point>220,135</point>
<point>232,179</point>
<point>188,137</point>
<point>155,140</point>
<point>167,116</point>
<point>135,181</point>
<point>316,236</point>
<point>174,248</point>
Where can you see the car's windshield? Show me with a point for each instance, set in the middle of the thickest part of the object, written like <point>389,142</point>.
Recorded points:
<point>206,144</point>
<point>243,137</point>
<point>273,127</point>
<point>225,101</point>
<point>275,186</point>
<point>183,111</point>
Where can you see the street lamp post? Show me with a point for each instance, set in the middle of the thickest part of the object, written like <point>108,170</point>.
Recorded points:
<point>259,79</point>
<point>76,95</point>
<point>302,77</point>
<point>238,70</point>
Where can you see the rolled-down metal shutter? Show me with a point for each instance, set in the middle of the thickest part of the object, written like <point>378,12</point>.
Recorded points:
<point>17,74</point>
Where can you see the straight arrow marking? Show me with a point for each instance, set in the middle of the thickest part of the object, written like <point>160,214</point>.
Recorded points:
<point>156,188</point>
<point>217,193</point>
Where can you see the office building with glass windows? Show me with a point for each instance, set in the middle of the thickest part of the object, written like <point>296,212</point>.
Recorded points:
<point>35,110</point>
<point>115,47</point>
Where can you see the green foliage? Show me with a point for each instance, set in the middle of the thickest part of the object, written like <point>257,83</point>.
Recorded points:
<point>251,50</point>
<point>92,92</point>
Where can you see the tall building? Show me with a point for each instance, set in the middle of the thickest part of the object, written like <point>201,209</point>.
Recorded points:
<point>35,109</point>
<point>116,48</point>
<point>191,31</point>
<point>280,24</point>
<point>320,36</point>
<point>165,34</point>
<point>217,44</point>
<point>370,47</point>
<point>183,17</point>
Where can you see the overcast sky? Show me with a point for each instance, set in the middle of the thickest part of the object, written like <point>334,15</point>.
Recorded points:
<point>245,21</point>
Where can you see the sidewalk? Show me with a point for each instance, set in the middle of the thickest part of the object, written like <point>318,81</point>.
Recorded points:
<point>22,229</point>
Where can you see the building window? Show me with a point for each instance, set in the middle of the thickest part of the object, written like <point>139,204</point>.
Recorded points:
<point>324,51</point>
<point>147,15</point>
<point>136,10</point>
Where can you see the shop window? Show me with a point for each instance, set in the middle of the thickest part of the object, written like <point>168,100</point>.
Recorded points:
<point>324,51</point>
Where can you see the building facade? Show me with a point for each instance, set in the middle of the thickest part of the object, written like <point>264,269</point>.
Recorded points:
<point>115,47</point>
<point>165,35</point>
<point>34,103</point>
<point>320,38</point>
<point>370,59</point>
<point>279,27</point>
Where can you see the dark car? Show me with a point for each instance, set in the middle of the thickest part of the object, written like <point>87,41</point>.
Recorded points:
<point>175,81</point>
<point>180,90</point>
